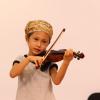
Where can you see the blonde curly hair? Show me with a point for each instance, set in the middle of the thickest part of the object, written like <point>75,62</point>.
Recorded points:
<point>38,25</point>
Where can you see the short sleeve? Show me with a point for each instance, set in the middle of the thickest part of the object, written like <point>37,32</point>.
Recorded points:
<point>53,65</point>
<point>18,59</point>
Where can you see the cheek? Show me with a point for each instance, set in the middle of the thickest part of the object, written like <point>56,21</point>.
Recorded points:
<point>44,47</point>
<point>30,44</point>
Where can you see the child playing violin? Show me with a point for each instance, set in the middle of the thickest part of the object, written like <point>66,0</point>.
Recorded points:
<point>34,84</point>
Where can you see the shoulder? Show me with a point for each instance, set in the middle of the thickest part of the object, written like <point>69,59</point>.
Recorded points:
<point>18,59</point>
<point>53,68</point>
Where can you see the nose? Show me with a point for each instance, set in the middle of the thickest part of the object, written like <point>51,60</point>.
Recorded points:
<point>38,44</point>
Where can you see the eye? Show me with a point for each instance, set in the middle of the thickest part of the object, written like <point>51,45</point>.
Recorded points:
<point>35,39</point>
<point>44,41</point>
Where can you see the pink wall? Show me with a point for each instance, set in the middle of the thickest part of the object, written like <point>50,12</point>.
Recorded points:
<point>81,18</point>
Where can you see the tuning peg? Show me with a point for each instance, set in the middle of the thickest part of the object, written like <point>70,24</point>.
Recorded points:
<point>78,58</point>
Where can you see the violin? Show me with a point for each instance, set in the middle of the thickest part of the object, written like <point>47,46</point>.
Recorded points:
<point>56,55</point>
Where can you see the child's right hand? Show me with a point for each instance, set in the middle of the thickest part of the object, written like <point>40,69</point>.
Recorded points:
<point>37,59</point>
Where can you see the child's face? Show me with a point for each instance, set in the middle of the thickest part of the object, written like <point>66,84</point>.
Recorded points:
<point>38,42</point>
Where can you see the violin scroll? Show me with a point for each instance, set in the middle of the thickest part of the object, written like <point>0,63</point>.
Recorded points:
<point>78,55</point>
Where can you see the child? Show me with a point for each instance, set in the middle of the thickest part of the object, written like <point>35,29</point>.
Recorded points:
<point>34,84</point>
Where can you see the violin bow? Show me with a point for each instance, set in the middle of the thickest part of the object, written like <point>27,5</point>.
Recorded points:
<point>47,53</point>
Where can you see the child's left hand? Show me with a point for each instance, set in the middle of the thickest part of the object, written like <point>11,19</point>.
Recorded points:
<point>68,55</point>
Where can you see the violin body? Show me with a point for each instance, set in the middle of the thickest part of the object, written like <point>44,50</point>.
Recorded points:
<point>56,55</point>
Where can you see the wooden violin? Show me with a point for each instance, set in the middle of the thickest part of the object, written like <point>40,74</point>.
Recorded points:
<point>57,55</point>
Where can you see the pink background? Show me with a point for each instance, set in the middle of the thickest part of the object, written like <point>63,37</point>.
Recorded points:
<point>81,18</point>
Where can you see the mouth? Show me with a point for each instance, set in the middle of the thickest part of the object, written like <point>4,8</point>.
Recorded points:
<point>36,50</point>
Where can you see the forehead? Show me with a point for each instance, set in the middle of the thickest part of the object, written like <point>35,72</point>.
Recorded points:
<point>40,34</point>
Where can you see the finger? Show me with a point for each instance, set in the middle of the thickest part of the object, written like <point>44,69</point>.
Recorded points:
<point>69,52</point>
<point>43,59</point>
<point>37,64</point>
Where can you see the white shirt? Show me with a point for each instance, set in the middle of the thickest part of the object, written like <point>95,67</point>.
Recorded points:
<point>33,84</point>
